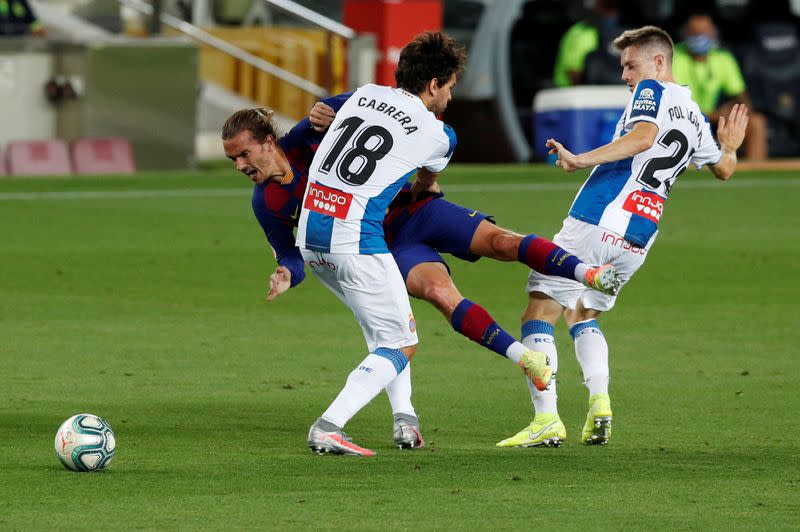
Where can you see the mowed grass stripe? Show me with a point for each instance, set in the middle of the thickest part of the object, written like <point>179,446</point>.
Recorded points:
<point>152,314</point>
<point>467,188</point>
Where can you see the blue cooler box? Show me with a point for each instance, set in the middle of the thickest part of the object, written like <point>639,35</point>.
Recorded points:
<point>581,118</point>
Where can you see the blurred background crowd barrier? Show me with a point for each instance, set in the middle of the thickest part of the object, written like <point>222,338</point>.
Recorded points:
<point>163,75</point>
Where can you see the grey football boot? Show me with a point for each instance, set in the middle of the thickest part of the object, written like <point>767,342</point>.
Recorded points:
<point>325,437</point>
<point>406,432</point>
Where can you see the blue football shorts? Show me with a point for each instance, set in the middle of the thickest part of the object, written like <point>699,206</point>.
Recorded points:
<point>437,227</point>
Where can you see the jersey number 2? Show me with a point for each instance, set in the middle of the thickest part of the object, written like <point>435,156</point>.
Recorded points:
<point>358,162</point>
<point>647,177</point>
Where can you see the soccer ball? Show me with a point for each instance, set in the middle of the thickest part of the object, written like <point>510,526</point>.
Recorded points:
<point>85,442</point>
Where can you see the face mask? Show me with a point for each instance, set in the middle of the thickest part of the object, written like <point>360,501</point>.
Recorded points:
<point>699,44</point>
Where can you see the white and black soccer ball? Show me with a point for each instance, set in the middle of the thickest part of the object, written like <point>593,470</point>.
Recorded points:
<point>85,442</point>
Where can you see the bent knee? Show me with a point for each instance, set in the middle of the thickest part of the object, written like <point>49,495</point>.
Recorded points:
<point>542,307</point>
<point>505,245</point>
<point>441,294</point>
<point>579,314</point>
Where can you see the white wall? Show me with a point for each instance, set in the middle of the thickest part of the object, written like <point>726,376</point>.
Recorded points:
<point>25,113</point>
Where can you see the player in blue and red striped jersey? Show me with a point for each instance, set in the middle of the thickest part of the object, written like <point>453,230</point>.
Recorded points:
<point>279,169</point>
<point>420,225</point>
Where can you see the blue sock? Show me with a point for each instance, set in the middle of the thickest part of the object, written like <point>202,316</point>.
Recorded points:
<point>545,257</point>
<point>474,322</point>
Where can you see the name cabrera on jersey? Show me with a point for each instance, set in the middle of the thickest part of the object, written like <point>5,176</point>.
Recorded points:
<point>628,196</point>
<point>379,138</point>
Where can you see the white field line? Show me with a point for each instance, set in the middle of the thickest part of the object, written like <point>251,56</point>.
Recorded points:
<point>125,194</point>
<point>476,188</point>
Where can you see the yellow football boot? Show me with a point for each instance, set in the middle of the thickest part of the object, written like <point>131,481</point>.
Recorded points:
<point>536,366</point>
<point>597,428</point>
<point>546,430</point>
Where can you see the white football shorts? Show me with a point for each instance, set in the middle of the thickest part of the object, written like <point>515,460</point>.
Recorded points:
<point>371,285</point>
<point>596,246</point>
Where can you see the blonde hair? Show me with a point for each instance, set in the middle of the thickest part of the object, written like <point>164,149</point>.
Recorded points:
<point>257,120</point>
<point>651,37</point>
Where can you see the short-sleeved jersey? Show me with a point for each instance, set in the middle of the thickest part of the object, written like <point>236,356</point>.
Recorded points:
<point>277,205</point>
<point>628,196</point>
<point>379,138</point>
<point>718,75</point>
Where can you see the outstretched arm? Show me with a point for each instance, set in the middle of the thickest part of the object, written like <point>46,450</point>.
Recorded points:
<point>730,134</point>
<point>279,282</point>
<point>639,139</point>
<point>290,270</point>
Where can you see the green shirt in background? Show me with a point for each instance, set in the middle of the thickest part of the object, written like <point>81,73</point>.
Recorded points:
<point>718,75</point>
<point>16,18</point>
<point>579,41</point>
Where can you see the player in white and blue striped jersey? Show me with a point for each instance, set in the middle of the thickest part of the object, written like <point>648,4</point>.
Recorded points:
<point>379,138</point>
<point>615,217</point>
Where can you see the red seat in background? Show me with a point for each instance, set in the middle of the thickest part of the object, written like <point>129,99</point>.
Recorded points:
<point>38,157</point>
<point>2,164</point>
<point>103,156</point>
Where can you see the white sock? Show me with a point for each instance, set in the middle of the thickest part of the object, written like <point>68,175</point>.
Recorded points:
<point>399,392</point>
<point>371,376</point>
<point>537,335</point>
<point>580,272</point>
<point>591,350</point>
<point>515,352</point>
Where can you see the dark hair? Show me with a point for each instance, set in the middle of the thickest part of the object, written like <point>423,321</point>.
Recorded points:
<point>647,37</point>
<point>695,14</point>
<point>700,13</point>
<point>430,55</point>
<point>258,121</point>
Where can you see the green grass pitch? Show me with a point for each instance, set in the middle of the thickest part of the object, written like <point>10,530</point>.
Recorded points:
<point>142,300</point>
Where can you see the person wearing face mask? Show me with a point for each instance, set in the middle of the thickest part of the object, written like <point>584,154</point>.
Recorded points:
<point>713,76</point>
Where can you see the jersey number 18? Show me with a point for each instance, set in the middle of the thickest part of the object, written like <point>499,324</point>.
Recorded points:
<point>356,163</point>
